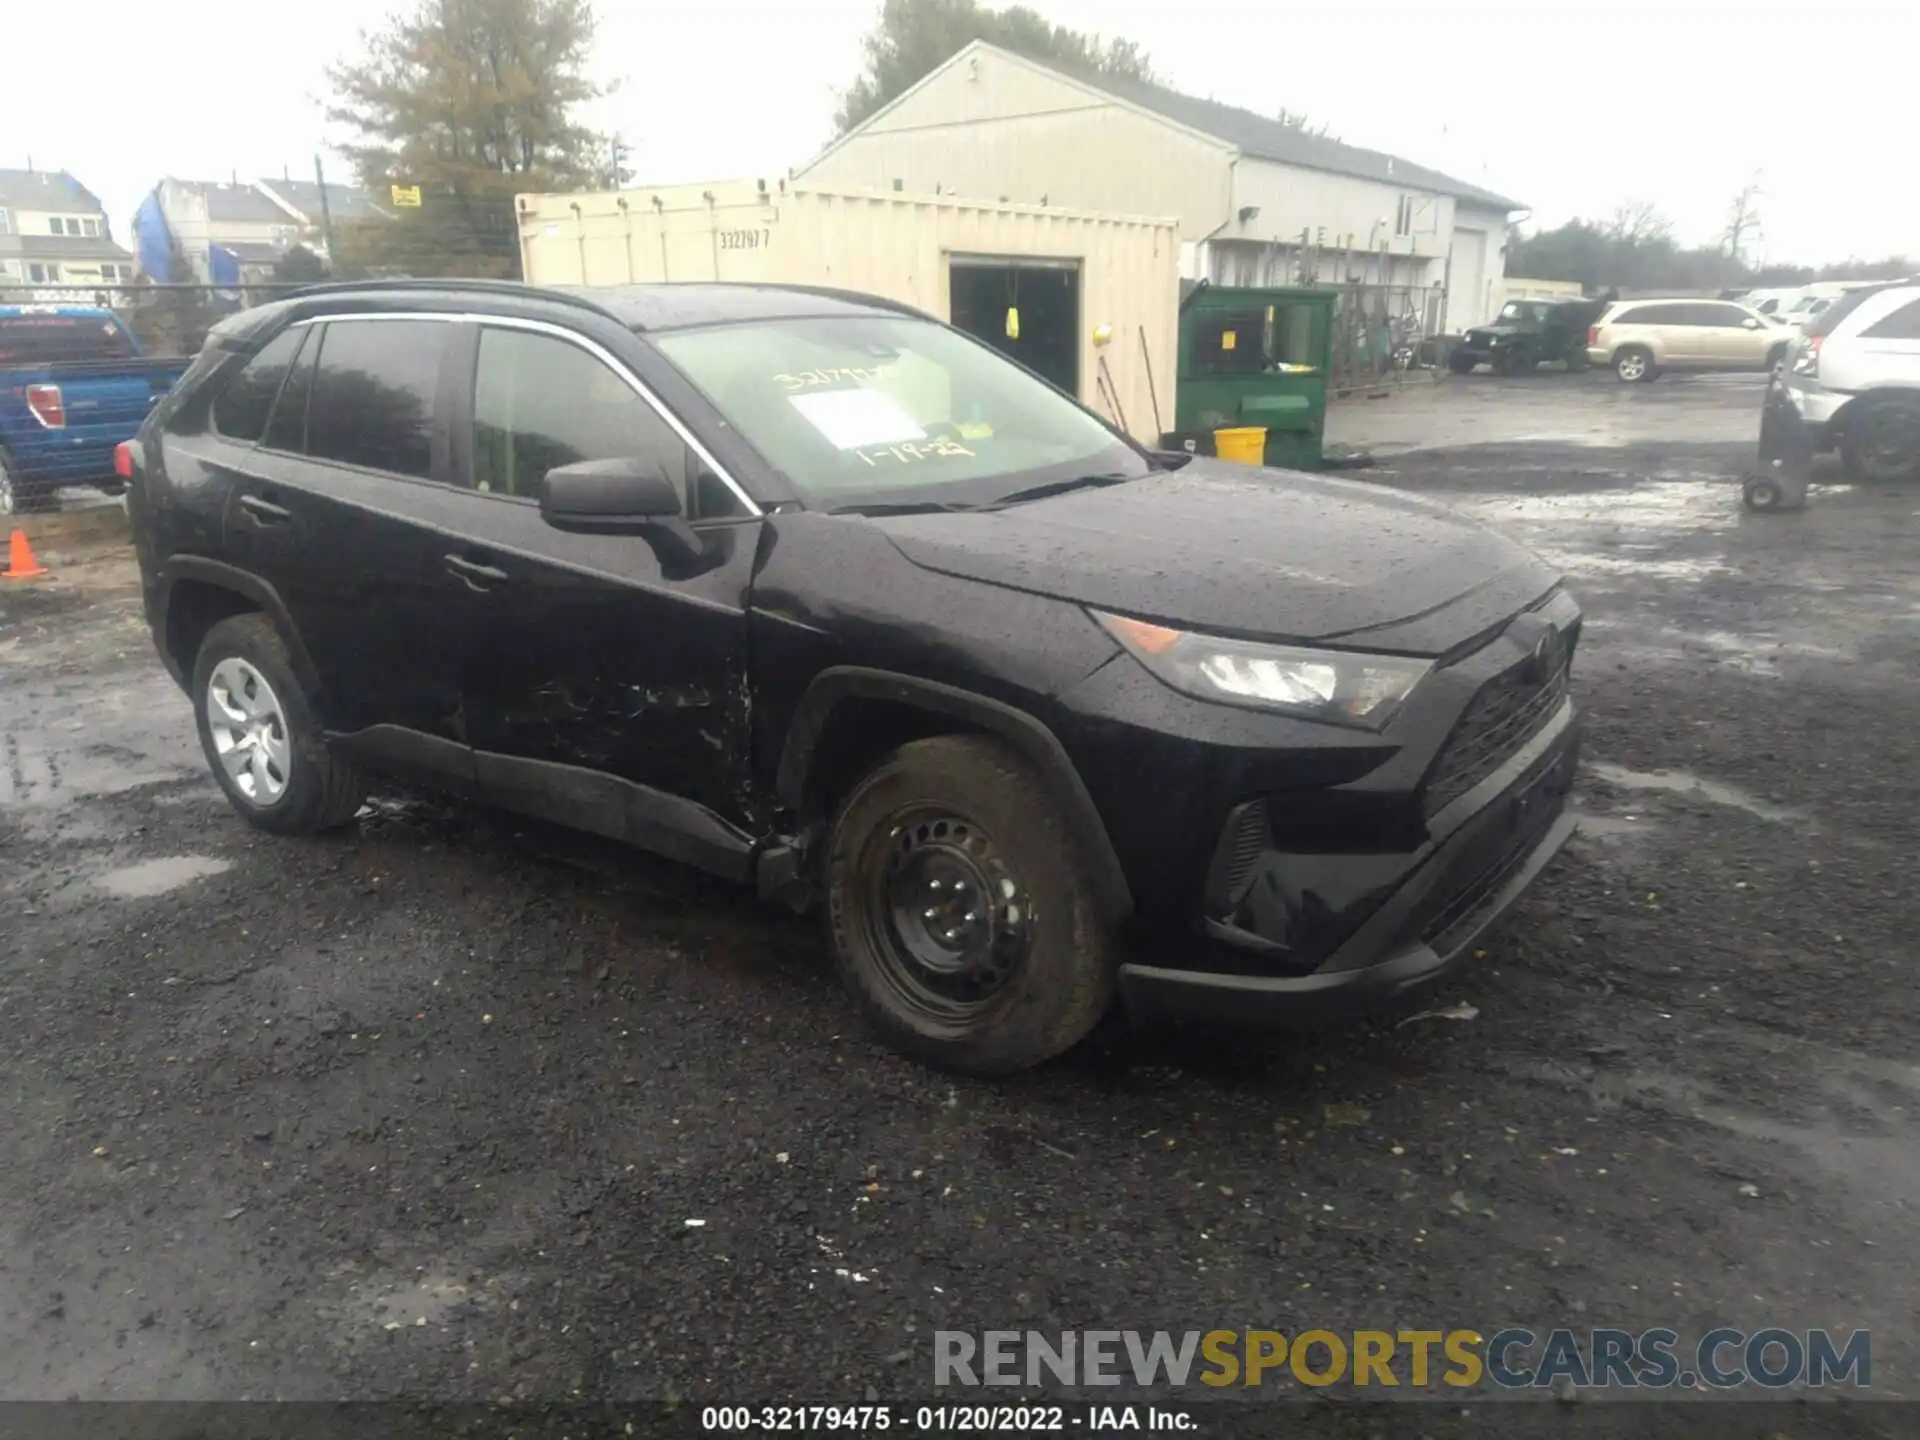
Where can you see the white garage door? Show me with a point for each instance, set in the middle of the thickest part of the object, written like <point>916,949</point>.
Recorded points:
<point>1467,279</point>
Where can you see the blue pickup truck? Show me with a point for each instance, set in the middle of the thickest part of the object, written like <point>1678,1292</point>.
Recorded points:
<point>73,385</point>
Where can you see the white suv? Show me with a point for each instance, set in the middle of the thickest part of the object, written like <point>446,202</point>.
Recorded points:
<point>1640,338</point>
<point>1853,380</point>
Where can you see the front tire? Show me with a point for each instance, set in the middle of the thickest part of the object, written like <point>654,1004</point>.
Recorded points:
<point>260,736</point>
<point>1461,364</point>
<point>962,910</point>
<point>1634,364</point>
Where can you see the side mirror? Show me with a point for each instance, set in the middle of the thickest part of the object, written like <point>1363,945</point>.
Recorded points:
<point>1750,323</point>
<point>611,496</point>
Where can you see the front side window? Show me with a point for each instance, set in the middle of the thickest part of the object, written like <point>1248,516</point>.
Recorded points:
<point>373,394</point>
<point>540,402</point>
<point>240,411</point>
<point>885,409</point>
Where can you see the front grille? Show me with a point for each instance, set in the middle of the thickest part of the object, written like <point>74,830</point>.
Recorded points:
<point>1508,711</point>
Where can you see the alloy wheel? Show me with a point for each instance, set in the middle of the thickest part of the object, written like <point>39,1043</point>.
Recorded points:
<point>946,916</point>
<point>249,731</point>
<point>1631,367</point>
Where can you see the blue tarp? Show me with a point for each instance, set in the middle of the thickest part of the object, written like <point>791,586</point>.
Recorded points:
<point>152,242</point>
<point>223,266</point>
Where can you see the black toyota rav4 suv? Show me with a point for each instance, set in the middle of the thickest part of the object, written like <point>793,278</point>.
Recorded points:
<point>811,591</point>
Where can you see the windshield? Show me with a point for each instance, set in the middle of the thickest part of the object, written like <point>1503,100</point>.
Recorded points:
<point>1523,312</point>
<point>870,409</point>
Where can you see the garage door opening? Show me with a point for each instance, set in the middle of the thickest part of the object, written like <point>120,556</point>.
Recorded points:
<point>1043,297</point>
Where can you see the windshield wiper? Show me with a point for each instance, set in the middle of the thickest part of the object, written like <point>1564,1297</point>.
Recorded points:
<point>1058,487</point>
<point>902,507</point>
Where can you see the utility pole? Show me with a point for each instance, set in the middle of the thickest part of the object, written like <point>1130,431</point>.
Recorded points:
<point>326,216</point>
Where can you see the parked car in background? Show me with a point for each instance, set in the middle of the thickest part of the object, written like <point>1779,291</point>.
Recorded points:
<point>1641,338</point>
<point>73,386</point>
<point>824,596</point>
<point>1813,300</point>
<point>1852,381</point>
<point>1527,333</point>
<point>1770,303</point>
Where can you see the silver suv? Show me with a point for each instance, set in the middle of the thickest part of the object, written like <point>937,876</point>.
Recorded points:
<point>1852,381</point>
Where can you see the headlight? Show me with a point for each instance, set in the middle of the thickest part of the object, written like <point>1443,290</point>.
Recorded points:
<point>1344,687</point>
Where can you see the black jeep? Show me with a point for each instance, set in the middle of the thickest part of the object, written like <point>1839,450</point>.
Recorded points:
<point>1528,332</point>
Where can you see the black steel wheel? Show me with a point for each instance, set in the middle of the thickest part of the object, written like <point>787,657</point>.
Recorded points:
<point>962,911</point>
<point>947,919</point>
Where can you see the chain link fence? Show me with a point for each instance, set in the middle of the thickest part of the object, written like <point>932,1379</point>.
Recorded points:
<point>1385,334</point>
<point>168,321</point>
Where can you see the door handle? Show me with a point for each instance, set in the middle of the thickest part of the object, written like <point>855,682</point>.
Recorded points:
<point>265,511</point>
<point>475,575</point>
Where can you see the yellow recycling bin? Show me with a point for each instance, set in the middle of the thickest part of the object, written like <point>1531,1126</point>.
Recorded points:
<point>1245,444</point>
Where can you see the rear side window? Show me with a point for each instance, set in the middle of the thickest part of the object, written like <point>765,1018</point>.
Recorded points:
<point>1827,316</point>
<point>57,339</point>
<point>373,394</point>
<point>240,412</point>
<point>287,430</point>
<point>1902,324</point>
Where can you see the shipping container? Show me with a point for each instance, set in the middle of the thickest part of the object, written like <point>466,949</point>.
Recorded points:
<point>1089,301</point>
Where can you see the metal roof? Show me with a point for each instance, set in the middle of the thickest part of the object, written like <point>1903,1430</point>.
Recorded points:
<point>45,190</point>
<point>1268,139</point>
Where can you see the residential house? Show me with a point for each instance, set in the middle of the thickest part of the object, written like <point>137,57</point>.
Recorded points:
<point>1259,201</point>
<point>230,233</point>
<point>54,231</point>
<point>227,233</point>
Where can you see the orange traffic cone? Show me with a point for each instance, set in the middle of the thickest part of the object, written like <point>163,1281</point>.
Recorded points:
<point>21,564</point>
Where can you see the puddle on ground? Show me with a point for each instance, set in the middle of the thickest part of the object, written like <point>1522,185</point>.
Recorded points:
<point>1656,503</point>
<point>157,877</point>
<point>1680,782</point>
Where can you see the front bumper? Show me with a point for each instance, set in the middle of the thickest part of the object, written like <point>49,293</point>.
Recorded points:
<point>1425,929</point>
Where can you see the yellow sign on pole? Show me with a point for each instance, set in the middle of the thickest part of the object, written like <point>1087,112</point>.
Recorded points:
<point>408,195</point>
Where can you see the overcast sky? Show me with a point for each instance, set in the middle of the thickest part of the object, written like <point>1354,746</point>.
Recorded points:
<point>1571,106</point>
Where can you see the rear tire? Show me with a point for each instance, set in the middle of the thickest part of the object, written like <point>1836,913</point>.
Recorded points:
<point>260,737</point>
<point>24,497</point>
<point>1634,364</point>
<point>1881,443</point>
<point>1577,360</point>
<point>962,910</point>
<point>1764,495</point>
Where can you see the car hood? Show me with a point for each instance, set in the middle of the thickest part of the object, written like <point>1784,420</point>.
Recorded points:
<point>1241,550</point>
<point>1494,331</point>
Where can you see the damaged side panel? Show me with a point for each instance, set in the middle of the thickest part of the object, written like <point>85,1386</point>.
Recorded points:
<point>608,655</point>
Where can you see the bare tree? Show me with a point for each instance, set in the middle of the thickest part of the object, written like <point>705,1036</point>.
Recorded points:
<point>1744,221</point>
<point>1637,222</point>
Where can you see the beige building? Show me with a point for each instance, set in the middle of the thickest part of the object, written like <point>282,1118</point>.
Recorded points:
<point>1259,201</point>
<point>54,231</point>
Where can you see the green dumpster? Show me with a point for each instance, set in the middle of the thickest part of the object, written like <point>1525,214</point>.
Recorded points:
<point>1254,357</point>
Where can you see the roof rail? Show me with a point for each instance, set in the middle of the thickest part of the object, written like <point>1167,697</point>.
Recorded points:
<point>491,287</point>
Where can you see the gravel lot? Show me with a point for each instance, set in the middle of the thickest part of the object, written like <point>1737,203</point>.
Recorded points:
<point>428,1108</point>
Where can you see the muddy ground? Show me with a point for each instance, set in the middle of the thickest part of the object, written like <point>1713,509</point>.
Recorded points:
<point>432,1108</point>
